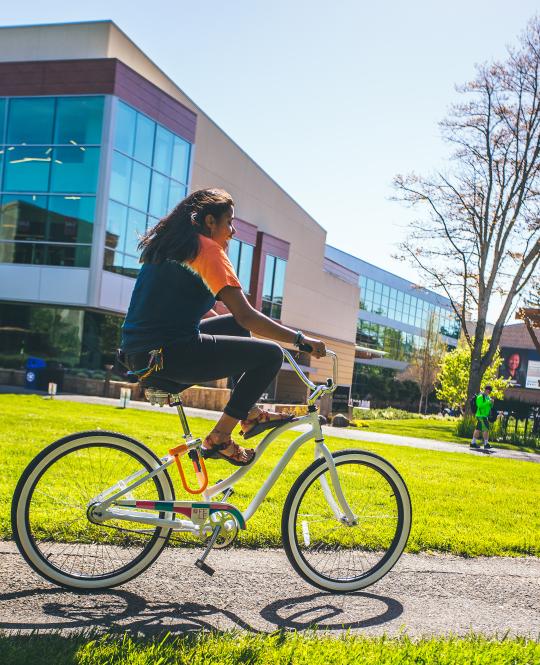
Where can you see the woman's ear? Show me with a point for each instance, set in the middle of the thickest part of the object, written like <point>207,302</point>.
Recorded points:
<point>209,224</point>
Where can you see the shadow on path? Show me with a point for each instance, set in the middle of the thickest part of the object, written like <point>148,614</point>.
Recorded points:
<point>124,611</point>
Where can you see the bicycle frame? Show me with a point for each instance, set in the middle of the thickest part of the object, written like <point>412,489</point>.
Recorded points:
<point>339,507</point>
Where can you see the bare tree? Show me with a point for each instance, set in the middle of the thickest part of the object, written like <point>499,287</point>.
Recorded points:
<point>479,234</point>
<point>426,362</point>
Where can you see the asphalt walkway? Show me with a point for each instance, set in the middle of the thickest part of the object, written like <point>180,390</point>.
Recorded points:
<point>258,591</point>
<point>350,434</point>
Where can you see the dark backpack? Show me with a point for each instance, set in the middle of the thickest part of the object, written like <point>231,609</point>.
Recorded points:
<point>472,402</point>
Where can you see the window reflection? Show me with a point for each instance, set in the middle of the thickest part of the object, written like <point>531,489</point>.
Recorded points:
<point>273,285</point>
<point>74,169</point>
<point>31,120</point>
<point>403,307</point>
<point>124,133</point>
<point>78,120</point>
<point>47,210</point>
<point>241,256</point>
<point>27,169</point>
<point>146,158</point>
<point>163,150</point>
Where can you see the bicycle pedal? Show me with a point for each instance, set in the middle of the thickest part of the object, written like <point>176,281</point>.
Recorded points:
<point>205,567</point>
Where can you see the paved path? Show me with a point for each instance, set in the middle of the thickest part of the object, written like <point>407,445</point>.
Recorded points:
<point>257,590</point>
<point>351,434</point>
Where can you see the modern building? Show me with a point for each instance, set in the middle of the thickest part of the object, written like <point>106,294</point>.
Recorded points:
<point>96,144</point>
<point>392,316</point>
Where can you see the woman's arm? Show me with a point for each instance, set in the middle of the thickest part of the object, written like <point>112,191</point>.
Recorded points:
<point>250,319</point>
<point>210,314</point>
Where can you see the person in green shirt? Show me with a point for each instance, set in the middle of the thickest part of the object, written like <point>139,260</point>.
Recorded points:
<point>484,404</point>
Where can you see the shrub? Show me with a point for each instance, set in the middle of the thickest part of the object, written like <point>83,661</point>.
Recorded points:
<point>383,414</point>
<point>466,425</point>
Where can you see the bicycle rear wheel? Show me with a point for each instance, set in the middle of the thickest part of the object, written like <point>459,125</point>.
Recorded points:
<point>327,551</point>
<point>50,511</point>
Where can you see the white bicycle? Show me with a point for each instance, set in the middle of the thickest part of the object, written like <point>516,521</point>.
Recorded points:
<point>95,509</point>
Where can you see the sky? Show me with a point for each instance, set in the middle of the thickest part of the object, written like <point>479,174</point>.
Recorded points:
<point>331,99</point>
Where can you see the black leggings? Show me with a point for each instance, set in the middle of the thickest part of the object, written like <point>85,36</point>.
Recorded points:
<point>223,349</point>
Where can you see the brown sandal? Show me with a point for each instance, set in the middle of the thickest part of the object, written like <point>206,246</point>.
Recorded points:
<point>237,455</point>
<point>262,422</point>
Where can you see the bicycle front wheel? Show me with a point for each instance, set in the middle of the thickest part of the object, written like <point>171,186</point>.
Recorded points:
<point>336,554</point>
<point>50,511</point>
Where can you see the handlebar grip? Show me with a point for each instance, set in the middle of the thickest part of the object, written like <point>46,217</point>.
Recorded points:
<point>305,347</point>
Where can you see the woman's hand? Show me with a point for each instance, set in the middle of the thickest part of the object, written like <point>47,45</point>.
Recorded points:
<point>318,347</point>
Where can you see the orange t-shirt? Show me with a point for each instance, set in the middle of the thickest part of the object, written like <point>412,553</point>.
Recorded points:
<point>170,298</point>
<point>213,266</point>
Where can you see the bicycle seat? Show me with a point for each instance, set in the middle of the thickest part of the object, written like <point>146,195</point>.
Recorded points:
<point>160,383</point>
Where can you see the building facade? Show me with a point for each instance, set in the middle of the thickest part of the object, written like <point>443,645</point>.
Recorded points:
<point>393,315</point>
<point>96,144</point>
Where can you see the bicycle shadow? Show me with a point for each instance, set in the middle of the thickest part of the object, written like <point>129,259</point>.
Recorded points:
<point>127,612</point>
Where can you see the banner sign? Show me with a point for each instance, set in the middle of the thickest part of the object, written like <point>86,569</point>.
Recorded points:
<point>522,367</point>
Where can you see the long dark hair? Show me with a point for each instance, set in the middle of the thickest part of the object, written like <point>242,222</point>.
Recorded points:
<point>176,236</point>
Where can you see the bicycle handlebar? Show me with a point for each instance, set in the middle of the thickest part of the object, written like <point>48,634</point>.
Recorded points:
<point>318,389</point>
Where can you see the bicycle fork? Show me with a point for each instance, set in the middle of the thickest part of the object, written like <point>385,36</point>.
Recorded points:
<point>341,508</point>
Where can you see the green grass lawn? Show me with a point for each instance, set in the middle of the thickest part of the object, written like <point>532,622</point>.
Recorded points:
<point>463,504</point>
<point>276,649</point>
<point>426,428</point>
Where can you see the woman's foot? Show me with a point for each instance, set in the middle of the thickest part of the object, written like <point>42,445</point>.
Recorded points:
<point>219,445</point>
<point>259,420</point>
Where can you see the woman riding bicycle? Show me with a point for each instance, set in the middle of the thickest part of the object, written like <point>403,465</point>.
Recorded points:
<point>185,270</point>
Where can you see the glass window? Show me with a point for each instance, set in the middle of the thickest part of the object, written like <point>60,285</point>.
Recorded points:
<point>177,192</point>
<point>116,226</point>
<point>27,169</point>
<point>68,255</point>
<point>136,224</point>
<point>120,177</point>
<point>112,260</point>
<point>78,120</point>
<point>163,150</point>
<point>124,133</point>
<point>74,170</point>
<point>131,266</point>
<point>30,120</point>
<point>244,268</point>
<point>234,253</point>
<point>71,218</point>
<point>144,139</point>
<point>378,287</point>
<point>180,160</point>
<point>140,186</point>
<point>159,195</point>
<point>23,217</point>
<point>268,277</point>
<point>22,252</point>
<point>279,279</point>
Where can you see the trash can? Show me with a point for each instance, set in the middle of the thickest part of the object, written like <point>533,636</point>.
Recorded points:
<point>34,367</point>
<point>53,372</point>
<point>39,373</point>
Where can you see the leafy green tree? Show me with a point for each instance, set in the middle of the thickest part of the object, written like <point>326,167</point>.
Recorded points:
<point>453,378</point>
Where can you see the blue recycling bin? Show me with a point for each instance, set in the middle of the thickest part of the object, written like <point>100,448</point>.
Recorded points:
<point>39,373</point>
<point>34,368</point>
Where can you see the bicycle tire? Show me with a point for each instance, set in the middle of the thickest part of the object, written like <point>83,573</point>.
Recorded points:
<point>289,524</point>
<point>44,461</point>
